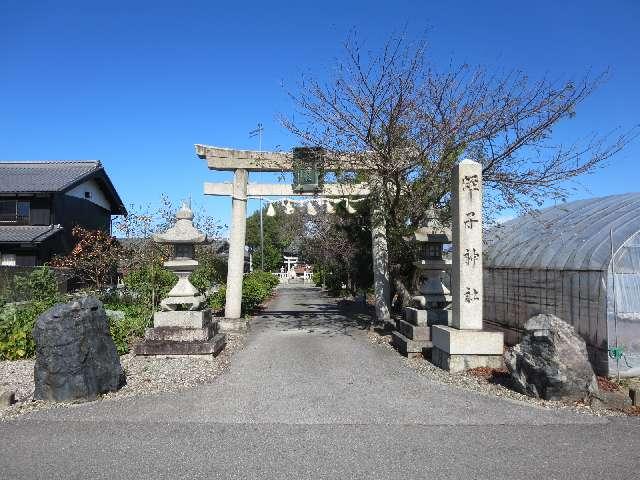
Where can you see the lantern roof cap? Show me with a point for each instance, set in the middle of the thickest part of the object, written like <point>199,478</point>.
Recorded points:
<point>433,231</point>
<point>183,231</point>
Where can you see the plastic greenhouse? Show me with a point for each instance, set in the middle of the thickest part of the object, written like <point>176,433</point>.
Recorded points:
<point>560,261</point>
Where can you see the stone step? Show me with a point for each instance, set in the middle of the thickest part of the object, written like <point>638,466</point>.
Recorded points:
<point>170,347</point>
<point>415,316</point>
<point>408,347</point>
<point>421,318</point>
<point>412,332</point>
<point>182,334</point>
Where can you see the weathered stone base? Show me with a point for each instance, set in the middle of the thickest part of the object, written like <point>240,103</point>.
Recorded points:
<point>460,363</point>
<point>182,333</point>
<point>412,336</point>
<point>458,350</point>
<point>415,316</point>
<point>390,324</point>
<point>439,317</point>
<point>412,332</point>
<point>422,318</point>
<point>410,348</point>
<point>187,319</point>
<point>234,325</point>
<point>172,347</point>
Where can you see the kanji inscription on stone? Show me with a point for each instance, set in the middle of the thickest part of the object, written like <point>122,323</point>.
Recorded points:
<point>470,220</point>
<point>471,256</point>
<point>471,183</point>
<point>471,295</point>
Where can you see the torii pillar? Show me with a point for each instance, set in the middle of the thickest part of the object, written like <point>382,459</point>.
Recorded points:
<point>237,237</point>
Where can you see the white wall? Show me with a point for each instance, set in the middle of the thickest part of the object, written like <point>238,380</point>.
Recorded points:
<point>97,196</point>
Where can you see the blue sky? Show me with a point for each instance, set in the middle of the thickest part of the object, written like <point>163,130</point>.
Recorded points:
<point>135,84</point>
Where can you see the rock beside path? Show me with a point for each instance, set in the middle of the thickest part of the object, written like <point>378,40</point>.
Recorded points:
<point>76,359</point>
<point>551,362</point>
<point>7,398</point>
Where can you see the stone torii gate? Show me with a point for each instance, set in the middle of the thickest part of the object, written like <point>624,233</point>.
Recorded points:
<point>241,162</point>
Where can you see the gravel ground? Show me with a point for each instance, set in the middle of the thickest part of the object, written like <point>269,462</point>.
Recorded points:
<point>145,375</point>
<point>483,386</point>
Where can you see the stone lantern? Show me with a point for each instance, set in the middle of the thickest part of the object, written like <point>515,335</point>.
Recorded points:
<point>412,336</point>
<point>182,327</point>
<point>182,237</point>
<point>431,266</point>
<point>306,169</point>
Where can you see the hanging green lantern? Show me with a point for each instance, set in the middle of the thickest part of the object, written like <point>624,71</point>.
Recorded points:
<point>306,169</point>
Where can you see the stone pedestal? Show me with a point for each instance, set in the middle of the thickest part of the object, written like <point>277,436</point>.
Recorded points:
<point>458,350</point>
<point>182,333</point>
<point>412,336</point>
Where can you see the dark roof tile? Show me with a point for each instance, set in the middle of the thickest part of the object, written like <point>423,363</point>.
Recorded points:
<point>27,233</point>
<point>43,176</point>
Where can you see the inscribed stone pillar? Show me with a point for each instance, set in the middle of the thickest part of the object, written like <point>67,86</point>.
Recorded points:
<point>237,234</point>
<point>465,345</point>
<point>466,204</point>
<point>380,256</point>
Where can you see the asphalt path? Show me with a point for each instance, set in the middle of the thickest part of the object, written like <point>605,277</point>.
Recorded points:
<point>310,397</point>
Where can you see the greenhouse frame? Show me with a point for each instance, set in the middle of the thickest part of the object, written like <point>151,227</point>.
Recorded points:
<point>579,261</point>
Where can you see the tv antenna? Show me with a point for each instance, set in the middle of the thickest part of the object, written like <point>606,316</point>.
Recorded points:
<point>257,133</point>
<point>252,134</point>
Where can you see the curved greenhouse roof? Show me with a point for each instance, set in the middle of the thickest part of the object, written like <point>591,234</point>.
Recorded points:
<point>571,236</point>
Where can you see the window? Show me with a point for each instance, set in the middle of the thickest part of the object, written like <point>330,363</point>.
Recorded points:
<point>432,250</point>
<point>25,260</point>
<point>7,210</point>
<point>15,211</point>
<point>8,260</point>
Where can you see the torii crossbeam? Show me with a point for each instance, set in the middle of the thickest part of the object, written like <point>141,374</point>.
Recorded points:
<point>241,162</point>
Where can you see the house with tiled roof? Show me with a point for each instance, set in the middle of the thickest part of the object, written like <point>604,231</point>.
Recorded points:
<point>41,202</point>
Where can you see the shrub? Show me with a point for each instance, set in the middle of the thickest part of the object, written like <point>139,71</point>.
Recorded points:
<point>40,285</point>
<point>217,300</point>
<point>317,277</point>
<point>125,331</point>
<point>334,282</point>
<point>94,258</point>
<point>17,320</point>
<point>149,284</point>
<point>256,287</point>
<point>212,270</point>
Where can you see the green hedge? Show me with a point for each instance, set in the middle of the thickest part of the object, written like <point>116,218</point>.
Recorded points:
<point>150,284</point>
<point>17,319</point>
<point>125,331</point>
<point>256,287</point>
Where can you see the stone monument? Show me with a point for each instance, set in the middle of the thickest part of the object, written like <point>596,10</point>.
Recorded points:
<point>464,344</point>
<point>412,336</point>
<point>76,359</point>
<point>182,327</point>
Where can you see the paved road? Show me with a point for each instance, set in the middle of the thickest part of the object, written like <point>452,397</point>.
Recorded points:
<point>309,397</point>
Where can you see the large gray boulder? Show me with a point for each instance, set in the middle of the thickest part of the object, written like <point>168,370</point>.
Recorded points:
<point>551,362</point>
<point>76,358</point>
